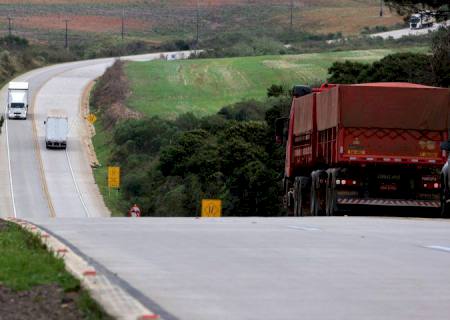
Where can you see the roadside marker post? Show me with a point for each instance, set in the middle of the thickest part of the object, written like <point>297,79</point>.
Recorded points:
<point>211,208</point>
<point>113,179</point>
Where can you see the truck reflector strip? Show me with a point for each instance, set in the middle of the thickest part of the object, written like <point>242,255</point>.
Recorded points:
<point>390,202</point>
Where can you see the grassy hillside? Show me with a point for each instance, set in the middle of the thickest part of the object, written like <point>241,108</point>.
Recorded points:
<point>168,88</point>
<point>162,20</point>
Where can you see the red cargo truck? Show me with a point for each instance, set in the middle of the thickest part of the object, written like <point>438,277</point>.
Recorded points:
<point>374,144</point>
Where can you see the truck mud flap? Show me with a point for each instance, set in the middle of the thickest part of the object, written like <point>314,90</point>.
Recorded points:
<point>389,202</point>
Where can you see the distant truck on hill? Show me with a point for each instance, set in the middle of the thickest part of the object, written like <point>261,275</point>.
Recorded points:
<point>420,20</point>
<point>374,144</point>
<point>18,100</point>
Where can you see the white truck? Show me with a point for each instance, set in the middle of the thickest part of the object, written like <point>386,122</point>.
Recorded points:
<point>423,19</point>
<point>56,129</point>
<point>18,100</point>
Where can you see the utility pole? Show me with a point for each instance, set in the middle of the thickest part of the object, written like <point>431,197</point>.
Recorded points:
<point>292,15</point>
<point>123,23</point>
<point>198,23</point>
<point>10,26</point>
<point>381,8</point>
<point>66,42</point>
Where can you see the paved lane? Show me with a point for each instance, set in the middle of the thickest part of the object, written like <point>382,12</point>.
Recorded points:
<point>41,184</point>
<point>68,174</point>
<point>279,268</point>
<point>397,34</point>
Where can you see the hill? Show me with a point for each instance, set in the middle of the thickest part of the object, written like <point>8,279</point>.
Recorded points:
<point>163,20</point>
<point>203,86</point>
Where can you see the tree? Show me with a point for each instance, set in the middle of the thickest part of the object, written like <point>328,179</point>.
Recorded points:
<point>275,91</point>
<point>440,61</point>
<point>397,67</point>
<point>346,72</point>
<point>400,67</point>
<point>406,7</point>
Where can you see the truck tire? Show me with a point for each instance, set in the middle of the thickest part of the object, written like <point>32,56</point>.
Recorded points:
<point>318,193</point>
<point>331,193</point>
<point>301,186</point>
<point>445,207</point>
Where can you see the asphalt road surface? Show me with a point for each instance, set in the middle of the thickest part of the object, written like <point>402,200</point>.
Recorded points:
<point>274,268</point>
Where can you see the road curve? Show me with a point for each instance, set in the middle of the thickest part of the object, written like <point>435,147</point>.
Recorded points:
<point>40,183</point>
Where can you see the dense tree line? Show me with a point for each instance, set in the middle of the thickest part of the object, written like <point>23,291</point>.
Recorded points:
<point>169,166</point>
<point>430,69</point>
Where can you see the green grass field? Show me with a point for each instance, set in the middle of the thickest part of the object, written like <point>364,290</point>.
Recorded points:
<point>203,86</point>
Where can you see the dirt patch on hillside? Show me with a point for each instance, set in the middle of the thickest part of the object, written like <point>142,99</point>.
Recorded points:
<point>87,23</point>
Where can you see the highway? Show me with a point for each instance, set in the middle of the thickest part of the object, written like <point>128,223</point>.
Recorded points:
<point>230,268</point>
<point>274,268</point>
<point>397,34</point>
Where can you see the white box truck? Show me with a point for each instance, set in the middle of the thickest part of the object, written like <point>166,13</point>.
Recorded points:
<point>56,129</point>
<point>18,100</point>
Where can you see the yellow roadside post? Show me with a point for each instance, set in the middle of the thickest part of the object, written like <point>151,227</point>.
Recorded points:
<point>113,178</point>
<point>211,208</point>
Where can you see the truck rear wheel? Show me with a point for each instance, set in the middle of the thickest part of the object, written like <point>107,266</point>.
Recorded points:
<point>331,206</point>
<point>445,207</point>
<point>301,187</point>
<point>318,192</point>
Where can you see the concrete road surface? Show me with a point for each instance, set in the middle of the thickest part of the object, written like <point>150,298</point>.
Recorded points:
<point>40,183</point>
<point>273,268</point>
<point>396,34</point>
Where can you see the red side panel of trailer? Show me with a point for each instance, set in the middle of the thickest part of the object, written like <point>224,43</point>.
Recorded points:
<point>302,142</point>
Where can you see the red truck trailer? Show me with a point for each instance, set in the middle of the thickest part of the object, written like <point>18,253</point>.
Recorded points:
<point>375,144</point>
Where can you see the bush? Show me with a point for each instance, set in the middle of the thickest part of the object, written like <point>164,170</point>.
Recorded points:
<point>440,61</point>
<point>399,67</point>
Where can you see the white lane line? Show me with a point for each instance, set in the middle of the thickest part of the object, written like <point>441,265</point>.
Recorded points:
<point>304,228</point>
<point>441,248</point>
<point>76,185</point>
<point>9,163</point>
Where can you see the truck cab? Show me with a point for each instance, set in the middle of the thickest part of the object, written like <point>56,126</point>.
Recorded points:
<point>17,100</point>
<point>421,20</point>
